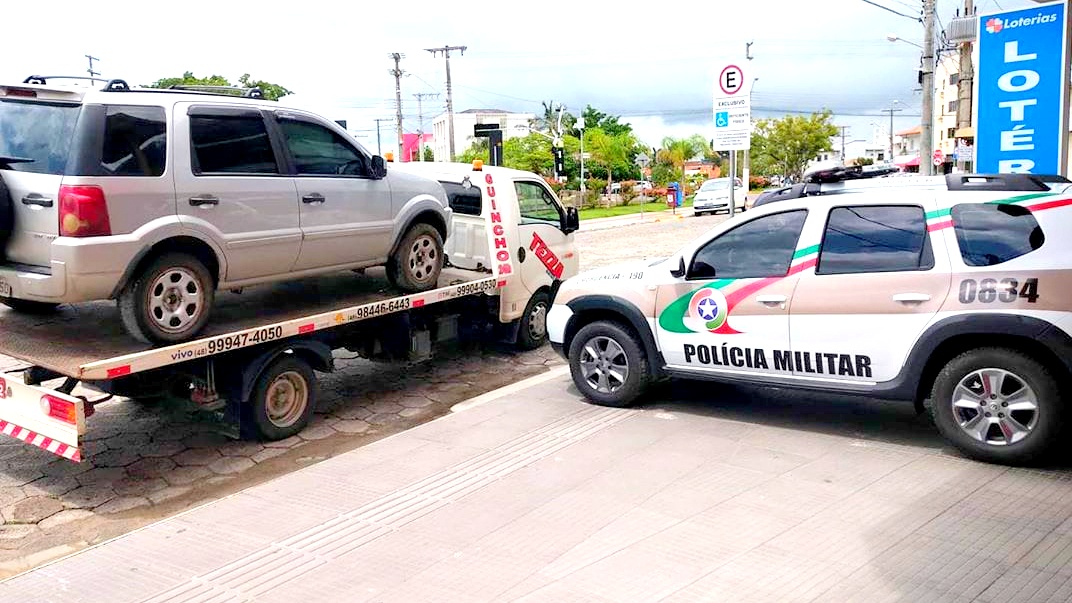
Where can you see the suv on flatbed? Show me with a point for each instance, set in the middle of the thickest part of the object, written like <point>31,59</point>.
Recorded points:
<point>158,198</point>
<point>954,290</point>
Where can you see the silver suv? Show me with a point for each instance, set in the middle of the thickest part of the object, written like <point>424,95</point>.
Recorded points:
<point>158,198</point>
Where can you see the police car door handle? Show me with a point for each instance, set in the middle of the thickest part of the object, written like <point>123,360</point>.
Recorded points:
<point>772,300</point>
<point>911,298</point>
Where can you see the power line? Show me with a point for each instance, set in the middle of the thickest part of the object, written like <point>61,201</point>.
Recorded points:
<point>450,99</point>
<point>886,8</point>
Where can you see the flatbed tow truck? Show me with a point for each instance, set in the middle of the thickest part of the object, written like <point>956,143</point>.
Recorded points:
<point>257,360</point>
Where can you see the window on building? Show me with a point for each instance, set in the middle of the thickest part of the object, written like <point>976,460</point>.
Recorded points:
<point>875,238</point>
<point>951,133</point>
<point>953,106</point>
<point>954,79</point>
<point>990,234</point>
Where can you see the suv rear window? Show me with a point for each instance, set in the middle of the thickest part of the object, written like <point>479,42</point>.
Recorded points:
<point>227,144</point>
<point>38,131</point>
<point>990,234</point>
<point>465,201</point>
<point>135,141</point>
<point>875,238</point>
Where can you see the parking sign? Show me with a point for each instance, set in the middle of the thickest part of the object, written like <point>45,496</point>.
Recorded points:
<point>1022,90</point>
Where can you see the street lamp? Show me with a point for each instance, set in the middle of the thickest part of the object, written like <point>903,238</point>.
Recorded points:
<point>894,38</point>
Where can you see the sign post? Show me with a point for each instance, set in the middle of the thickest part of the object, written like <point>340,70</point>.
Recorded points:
<point>1021,90</point>
<point>733,118</point>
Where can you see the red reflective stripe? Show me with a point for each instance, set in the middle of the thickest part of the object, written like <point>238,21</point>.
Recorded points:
<point>1050,204</point>
<point>417,303</point>
<point>69,452</point>
<point>939,225</point>
<point>309,328</point>
<point>119,371</point>
<point>501,284</point>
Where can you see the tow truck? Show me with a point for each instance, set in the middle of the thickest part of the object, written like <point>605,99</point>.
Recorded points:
<point>510,245</point>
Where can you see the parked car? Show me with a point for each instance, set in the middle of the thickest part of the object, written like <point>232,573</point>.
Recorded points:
<point>643,187</point>
<point>159,198</point>
<point>713,196</point>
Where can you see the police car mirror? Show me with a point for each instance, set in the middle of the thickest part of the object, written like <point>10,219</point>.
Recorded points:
<point>680,271</point>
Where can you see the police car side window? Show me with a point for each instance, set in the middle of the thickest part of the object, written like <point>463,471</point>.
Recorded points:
<point>759,248</point>
<point>990,234</point>
<point>875,238</point>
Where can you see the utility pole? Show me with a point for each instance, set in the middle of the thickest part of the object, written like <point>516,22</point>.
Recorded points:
<point>397,72</point>
<point>378,120</point>
<point>891,111</point>
<point>90,70</point>
<point>420,121</point>
<point>843,128</point>
<point>964,85</point>
<point>450,99</point>
<point>926,143</point>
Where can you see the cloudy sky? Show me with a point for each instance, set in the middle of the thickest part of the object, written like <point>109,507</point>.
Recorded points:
<point>652,63</point>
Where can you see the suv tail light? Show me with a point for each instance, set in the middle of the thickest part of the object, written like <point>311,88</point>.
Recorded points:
<point>83,212</point>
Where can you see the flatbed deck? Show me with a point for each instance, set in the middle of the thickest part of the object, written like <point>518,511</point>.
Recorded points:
<point>87,341</point>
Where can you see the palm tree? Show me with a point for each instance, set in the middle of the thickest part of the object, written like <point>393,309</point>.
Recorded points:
<point>677,151</point>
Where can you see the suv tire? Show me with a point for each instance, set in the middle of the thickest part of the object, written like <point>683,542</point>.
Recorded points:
<point>7,217</point>
<point>999,406</point>
<point>27,306</point>
<point>618,372</point>
<point>417,261</point>
<point>169,300</point>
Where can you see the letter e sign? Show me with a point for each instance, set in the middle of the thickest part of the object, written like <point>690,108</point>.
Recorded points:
<point>731,79</point>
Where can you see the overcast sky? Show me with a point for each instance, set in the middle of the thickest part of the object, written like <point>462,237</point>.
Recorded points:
<point>654,66</point>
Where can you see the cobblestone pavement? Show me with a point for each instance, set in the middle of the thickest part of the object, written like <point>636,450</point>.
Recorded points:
<point>146,461</point>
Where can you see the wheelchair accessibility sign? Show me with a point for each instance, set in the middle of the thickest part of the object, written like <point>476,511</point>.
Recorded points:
<point>722,119</point>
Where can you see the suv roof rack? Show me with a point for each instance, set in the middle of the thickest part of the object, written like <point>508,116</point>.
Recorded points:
<point>220,90</point>
<point>112,85</point>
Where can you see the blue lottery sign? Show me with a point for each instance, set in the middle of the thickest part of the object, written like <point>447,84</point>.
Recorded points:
<point>1021,90</point>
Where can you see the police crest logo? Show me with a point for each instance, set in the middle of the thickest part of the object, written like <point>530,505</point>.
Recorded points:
<point>707,310</point>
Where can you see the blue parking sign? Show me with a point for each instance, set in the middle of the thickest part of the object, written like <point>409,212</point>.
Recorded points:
<point>722,119</point>
<point>1021,90</point>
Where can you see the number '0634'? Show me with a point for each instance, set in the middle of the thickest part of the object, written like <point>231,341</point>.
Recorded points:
<point>992,290</point>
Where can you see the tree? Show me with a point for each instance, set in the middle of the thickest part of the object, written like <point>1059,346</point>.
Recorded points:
<point>864,161</point>
<point>786,145</point>
<point>675,152</point>
<point>271,91</point>
<point>613,152</point>
<point>429,154</point>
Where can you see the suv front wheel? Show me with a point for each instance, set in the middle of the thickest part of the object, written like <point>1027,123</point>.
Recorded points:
<point>418,260</point>
<point>608,364</point>
<point>169,300</point>
<point>999,406</point>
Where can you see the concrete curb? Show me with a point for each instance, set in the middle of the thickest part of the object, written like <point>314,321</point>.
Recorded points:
<point>506,390</point>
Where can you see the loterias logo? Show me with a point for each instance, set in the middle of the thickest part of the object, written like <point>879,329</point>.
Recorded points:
<point>995,25</point>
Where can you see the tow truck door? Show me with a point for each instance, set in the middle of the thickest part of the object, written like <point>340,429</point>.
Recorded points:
<point>545,252</point>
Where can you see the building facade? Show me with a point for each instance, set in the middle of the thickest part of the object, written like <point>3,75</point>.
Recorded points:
<point>512,125</point>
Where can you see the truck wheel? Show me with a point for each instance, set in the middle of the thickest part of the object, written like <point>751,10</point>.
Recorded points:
<point>7,217</point>
<point>416,264</point>
<point>532,332</point>
<point>169,301</point>
<point>283,400</point>
<point>999,406</point>
<point>608,364</point>
<point>27,306</point>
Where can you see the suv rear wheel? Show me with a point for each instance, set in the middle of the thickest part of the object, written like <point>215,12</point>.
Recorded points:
<point>169,301</point>
<point>418,260</point>
<point>998,405</point>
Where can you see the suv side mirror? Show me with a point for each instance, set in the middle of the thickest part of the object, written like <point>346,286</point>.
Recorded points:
<point>572,223</point>
<point>377,167</point>
<point>680,271</point>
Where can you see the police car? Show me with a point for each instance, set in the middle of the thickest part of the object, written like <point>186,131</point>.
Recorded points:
<point>954,289</point>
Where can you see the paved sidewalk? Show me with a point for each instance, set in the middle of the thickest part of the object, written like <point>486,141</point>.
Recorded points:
<point>534,495</point>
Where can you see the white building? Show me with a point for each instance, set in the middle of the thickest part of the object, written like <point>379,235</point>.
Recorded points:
<point>946,79</point>
<point>512,125</point>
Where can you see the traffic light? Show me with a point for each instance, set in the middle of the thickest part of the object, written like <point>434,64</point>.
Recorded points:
<point>560,161</point>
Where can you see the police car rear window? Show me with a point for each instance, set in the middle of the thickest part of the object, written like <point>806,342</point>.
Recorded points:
<point>990,234</point>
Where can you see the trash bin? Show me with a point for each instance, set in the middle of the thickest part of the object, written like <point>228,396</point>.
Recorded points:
<point>673,195</point>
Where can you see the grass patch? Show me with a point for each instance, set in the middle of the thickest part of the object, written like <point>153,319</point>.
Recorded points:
<point>625,210</point>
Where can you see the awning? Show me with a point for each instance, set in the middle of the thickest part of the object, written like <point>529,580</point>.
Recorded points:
<point>913,162</point>
<point>965,132</point>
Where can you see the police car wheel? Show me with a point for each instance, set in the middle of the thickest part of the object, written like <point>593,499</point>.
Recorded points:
<point>998,405</point>
<point>608,364</point>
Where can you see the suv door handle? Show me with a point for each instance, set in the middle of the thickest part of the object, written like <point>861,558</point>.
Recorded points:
<point>313,198</point>
<point>911,298</point>
<point>37,199</point>
<point>772,300</point>
<point>201,200</point>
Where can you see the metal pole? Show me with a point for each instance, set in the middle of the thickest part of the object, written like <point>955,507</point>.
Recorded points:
<point>964,87</point>
<point>397,72</point>
<point>450,97</point>
<point>733,176</point>
<point>582,165</point>
<point>926,164</point>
